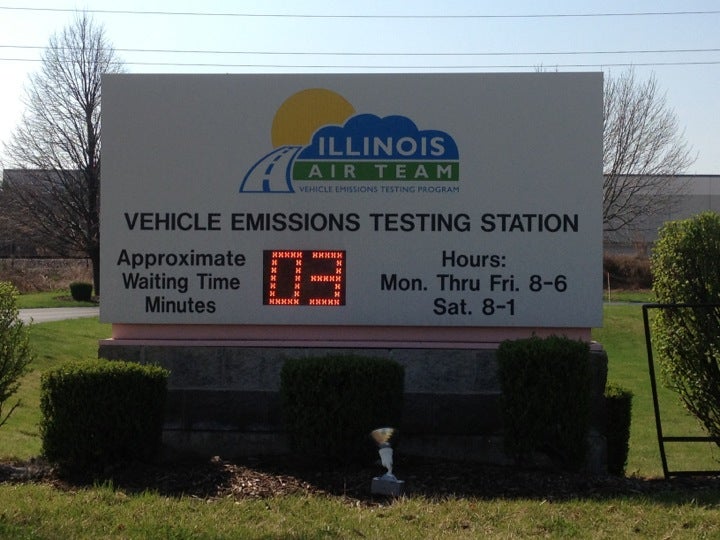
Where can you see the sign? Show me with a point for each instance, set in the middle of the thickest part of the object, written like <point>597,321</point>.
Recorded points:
<point>468,200</point>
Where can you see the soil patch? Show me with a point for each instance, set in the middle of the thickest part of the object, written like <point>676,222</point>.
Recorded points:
<point>277,476</point>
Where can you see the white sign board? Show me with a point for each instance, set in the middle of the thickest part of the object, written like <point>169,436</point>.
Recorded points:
<point>408,200</point>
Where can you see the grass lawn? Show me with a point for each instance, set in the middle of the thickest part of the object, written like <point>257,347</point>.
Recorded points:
<point>620,295</point>
<point>43,511</point>
<point>624,340</point>
<point>53,344</point>
<point>40,511</point>
<point>49,299</point>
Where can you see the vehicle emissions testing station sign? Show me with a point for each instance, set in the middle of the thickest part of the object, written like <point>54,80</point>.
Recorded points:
<point>469,200</point>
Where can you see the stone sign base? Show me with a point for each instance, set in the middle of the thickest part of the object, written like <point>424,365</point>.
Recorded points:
<point>224,399</point>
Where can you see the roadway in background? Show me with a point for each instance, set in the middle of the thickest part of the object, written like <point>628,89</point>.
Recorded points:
<point>41,315</point>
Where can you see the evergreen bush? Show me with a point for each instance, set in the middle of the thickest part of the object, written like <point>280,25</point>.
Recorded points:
<point>99,413</point>
<point>81,291</point>
<point>685,269</point>
<point>618,412</point>
<point>546,385</point>
<point>332,403</point>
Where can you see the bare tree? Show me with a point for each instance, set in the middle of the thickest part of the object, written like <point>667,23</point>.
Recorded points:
<point>643,152</point>
<point>57,143</point>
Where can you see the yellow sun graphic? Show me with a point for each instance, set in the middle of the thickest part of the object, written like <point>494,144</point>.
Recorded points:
<point>303,113</point>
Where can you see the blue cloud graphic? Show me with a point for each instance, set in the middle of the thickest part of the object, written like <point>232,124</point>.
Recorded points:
<point>367,136</point>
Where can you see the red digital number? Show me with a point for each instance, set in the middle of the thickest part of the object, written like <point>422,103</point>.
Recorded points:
<point>303,278</point>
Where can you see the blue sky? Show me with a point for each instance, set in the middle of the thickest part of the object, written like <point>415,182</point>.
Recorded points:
<point>393,36</point>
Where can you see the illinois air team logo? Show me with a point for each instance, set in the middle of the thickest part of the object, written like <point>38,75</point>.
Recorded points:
<point>318,136</point>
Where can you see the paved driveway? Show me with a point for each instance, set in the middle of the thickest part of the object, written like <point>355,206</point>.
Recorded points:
<point>42,315</point>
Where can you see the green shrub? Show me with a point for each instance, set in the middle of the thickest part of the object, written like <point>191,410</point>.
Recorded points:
<point>618,411</point>
<point>99,413</point>
<point>545,385</point>
<point>332,403</point>
<point>81,291</point>
<point>685,266</point>
<point>15,353</point>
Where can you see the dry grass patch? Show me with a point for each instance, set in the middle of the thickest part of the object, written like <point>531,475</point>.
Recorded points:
<point>35,275</point>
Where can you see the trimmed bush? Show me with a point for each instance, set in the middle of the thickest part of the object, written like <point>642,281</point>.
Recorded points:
<point>332,403</point>
<point>685,266</point>
<point>99,413</point>
<point>545,385</point>
<point>15,355</point>
<point>618,412</point>
<point>81,291</point>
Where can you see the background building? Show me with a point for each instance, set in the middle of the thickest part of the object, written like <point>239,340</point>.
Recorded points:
<point>701,194</point>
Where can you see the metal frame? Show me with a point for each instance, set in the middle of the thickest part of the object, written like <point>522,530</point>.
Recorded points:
<point>662,439</point>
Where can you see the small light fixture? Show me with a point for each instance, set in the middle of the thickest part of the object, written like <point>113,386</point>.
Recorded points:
<point>387,484</point>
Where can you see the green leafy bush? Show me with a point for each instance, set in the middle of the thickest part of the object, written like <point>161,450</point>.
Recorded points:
<point>618,412</point>
<point>545,385</point>
<point>15,353</point>
<point>685,267</point>
<point>332,403</point>
<point>81,291</point>
<point>98,413</point>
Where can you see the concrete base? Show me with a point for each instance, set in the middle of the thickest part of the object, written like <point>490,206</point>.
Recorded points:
<point>224,400</point>
<point>387,486</point>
